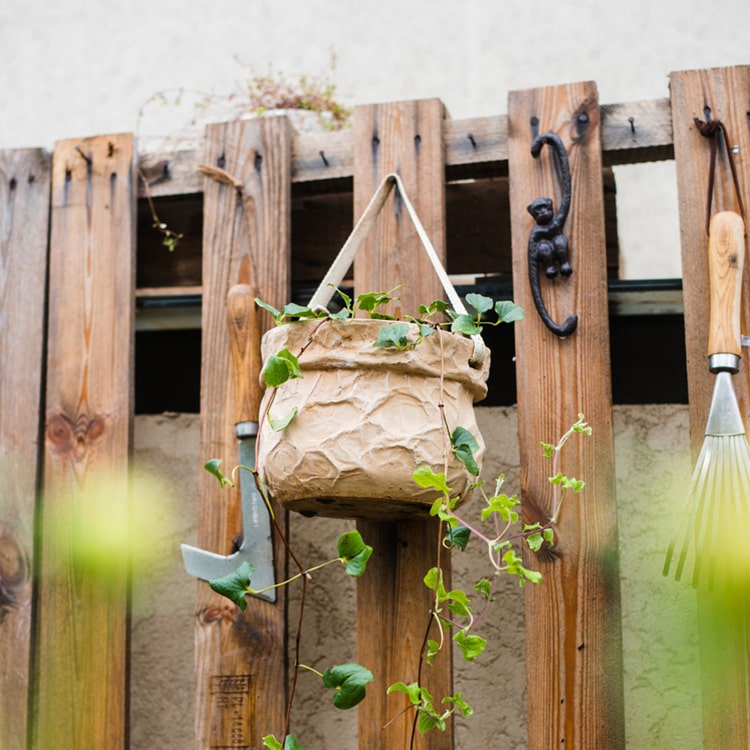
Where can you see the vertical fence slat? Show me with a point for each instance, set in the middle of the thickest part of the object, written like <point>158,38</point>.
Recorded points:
<point>82,601</point>
<point>393,603</point>
<point>24,219</point>
<point>573,631</point>
<point>724,94</point>
<point>240,656</point>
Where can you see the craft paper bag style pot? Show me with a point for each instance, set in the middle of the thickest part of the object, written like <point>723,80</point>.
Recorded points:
<point>367,418</point>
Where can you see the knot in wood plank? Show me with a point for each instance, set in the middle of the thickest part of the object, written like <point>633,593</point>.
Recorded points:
<point>14,571</point>
<point>67,436</point>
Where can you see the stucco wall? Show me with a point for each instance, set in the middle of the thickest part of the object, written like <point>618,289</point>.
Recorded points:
<point>660,651</point>
<point>87,67</point>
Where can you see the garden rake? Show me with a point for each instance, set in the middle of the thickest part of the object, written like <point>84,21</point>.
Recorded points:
<point>711,542</point>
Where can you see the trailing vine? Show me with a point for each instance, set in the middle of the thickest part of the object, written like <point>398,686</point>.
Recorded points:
<point>457,611</point>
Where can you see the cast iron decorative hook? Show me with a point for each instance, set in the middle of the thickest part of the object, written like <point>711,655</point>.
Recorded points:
<point>547,243</point>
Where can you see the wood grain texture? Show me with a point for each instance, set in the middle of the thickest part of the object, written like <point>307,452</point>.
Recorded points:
<point>241,671</point>
<point>726,252</point>
<point>724,94</point>
<point>573,637</point>
<point>393,603</point>
<point>474,147</point>
<point>24,221</point>
<point>82,597</point>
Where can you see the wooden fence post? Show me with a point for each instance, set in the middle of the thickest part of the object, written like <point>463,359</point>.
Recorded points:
<point>81,638</point>
<point>392,601</point>
<point>241,670</point>
<point>573,630</point>
<point>717,94</point>
<point>24,222</point>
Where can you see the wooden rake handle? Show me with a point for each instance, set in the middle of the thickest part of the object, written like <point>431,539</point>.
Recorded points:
<point>244,345</point>
<point>726,256</point>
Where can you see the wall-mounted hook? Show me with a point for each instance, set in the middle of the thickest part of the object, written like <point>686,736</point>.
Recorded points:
<point>547,243</point>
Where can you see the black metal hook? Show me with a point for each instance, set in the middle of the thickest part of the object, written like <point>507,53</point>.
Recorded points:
<point>547,243</point>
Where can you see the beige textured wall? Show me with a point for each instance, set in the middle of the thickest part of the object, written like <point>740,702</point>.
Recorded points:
<point>85,67</point>
<point>660,651</point>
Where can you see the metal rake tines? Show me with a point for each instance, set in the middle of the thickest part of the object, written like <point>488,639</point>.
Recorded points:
<point>713,532</point>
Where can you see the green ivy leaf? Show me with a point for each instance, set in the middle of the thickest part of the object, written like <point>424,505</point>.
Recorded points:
<point>465,446</point>
<point>271,743</point>
<point>547,449</point>
<point>465,324</point>
<point>535,541</point>
<point>581,427</point>
<point>458,603</point>
<point>504,506</point>
<point>567,483</point>
<point>429,721</point>
<point>419,697</point>
<point>425,477</point>
<point>459,703</point>
<point>342,314</point>
<point>434,581</point>
<point>471,645</point>
<point>293,310</point>
<point>235,585</point>
<point>479,302</point>
<point>433,649</point>
<point>438,306</point>
<point>281,367</point>
<point>508,312</point>
<point>514,566</point>
<point>484,587</point>
<point>354,552</point>
<point>212,467</point>
<point>276,314</point>
<point>413,691</point>
<point>393,336</point>
<point>346,299</point>
<point>457,536</point>
<point>349,681</point>
<point>369,302</point>
<point>381,316</point>
<point>277,425</point>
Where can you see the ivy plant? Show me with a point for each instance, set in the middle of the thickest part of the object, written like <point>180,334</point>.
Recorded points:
<point>456,614</point>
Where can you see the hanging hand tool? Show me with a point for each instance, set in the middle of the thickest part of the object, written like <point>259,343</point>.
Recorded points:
<point>717,510</point>
<point>257,546</point>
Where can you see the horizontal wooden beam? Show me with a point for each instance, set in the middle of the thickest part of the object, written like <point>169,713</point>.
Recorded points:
<point>476,147</point>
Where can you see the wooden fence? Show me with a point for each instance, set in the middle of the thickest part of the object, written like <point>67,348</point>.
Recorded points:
<point>68,260</point>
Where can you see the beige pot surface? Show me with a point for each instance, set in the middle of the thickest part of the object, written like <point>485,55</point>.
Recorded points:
<point>367,419</point>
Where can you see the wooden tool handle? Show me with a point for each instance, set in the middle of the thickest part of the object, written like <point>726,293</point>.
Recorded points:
<point>726,256</point>
<point>244,345</point>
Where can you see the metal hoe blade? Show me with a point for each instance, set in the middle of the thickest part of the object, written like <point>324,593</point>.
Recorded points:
<point>256,547</point>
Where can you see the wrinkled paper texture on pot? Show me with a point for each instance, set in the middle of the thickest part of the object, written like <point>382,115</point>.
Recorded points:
<point>367,418</point>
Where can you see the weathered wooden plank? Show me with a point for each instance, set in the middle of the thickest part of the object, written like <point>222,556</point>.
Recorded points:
<point>636,132</point>
<point>392,602</point>
<point>723,94</point>
<point>473,147</point>
<point>241,684</point>
<point>573,654</point>
<point>82,597</point>
<point>24,221</point>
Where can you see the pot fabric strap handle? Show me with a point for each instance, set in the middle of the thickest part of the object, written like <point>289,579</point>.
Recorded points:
<point>345,257</point>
